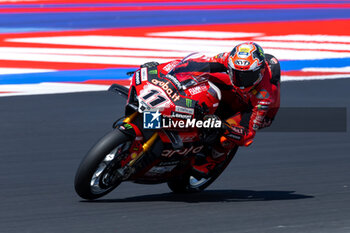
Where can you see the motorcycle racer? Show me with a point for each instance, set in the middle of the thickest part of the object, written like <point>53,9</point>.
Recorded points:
<point>249,81</point>
<point>250,91</point>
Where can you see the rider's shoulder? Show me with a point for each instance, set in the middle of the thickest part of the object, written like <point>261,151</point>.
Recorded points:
<point>262,90</point>
<point>261,94</point>
<point>271,60</point>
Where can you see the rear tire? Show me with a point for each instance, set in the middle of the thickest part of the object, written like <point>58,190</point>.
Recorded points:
<point>189,184</point>
<point>96,161</point>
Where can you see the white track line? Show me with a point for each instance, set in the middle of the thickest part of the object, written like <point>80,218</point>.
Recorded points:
<point>205,34</point>
<point>48,88</point>
<point>286,78</point>
<point>23,70</point>
<point>301,37</point>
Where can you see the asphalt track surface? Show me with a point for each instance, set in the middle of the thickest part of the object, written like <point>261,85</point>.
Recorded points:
<point>285,182</point>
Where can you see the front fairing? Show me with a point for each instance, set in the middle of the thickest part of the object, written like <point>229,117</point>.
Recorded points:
<point>176,87</point>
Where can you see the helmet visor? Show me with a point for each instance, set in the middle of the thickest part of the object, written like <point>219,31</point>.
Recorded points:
<point>245,78</point>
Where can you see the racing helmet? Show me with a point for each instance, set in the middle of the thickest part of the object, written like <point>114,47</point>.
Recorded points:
<point>246,65</point>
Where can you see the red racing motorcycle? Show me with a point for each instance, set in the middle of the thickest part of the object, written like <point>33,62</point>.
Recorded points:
<point>167,126</point>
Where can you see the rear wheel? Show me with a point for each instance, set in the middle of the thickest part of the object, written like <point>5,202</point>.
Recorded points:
<point>98,174</point>
<point>190,184</point>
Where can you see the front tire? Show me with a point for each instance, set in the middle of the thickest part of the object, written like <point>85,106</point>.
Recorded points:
<point>98,164</point>
<point>188,183</point>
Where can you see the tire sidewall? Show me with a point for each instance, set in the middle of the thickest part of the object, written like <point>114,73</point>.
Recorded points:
<point>182,185</point>
<point>92,160</point>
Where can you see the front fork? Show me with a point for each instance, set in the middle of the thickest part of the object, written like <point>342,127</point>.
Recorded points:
<point>136,156</point>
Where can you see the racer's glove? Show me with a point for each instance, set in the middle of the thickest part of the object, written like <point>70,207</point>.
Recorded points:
<point>150,64</point>
<point>237,135</point>
<point>211,135</point>
<point>266,123</point>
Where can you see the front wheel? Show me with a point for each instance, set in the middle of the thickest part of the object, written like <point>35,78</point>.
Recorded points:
<point>190,184</point>
<point>97,173</point>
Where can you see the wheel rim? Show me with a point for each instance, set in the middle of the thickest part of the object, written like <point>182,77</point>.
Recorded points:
<point>98,183</point>
<point>195,183</point>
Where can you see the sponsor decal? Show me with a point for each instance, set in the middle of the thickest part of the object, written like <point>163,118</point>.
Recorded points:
<point>144,75</point>
<point>158,170</point>
<point>180,115</point>
<point>197,89</point>
<point>261,51</point>
<point>258,121</point>
<point>262,107</point>
<point>137,78</point>
<point>184,110</point>
<point>155,71</point>
<point>144,106</point>
<point>184,152</point>
<point>243,51</point>
<point>217,154</point>
<point>168,163</point>
<point>273,61</point>
<point>127,126</point>
<point>264,102</point>
<point>174,81</point>
<point>237,130</point>
<point>243,54</point>
<point>170,66</point>
<point>242,62</point>
<point>234,136</point>
<point>263,94</point>
<point>188,103</point>
<point>165,86</point>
